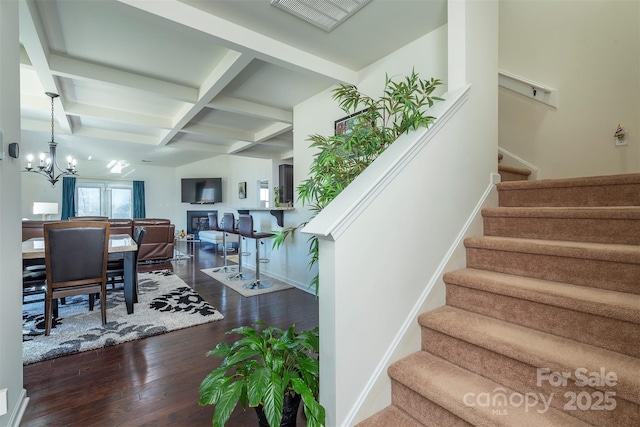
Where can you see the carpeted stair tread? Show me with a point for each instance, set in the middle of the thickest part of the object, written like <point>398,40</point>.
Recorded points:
<point>616,225</point>
<point>533,347</point>
<point>601,302</point>
<point>596,212</point>
<point>591,181</point>
<point>390,416</point>
<point>447,384</point>
<point>597,265</point>
<point>585,250</point>
<point>611,190</point>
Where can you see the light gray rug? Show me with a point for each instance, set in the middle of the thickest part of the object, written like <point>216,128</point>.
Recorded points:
<point>237,285</point>
<point>165,303</point>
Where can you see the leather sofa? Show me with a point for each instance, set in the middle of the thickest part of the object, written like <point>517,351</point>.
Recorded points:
<point>159,240</point>
<point>31,229</point>
<point>121,226</point>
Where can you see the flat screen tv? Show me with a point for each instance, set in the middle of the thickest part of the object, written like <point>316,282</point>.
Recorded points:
<point>201,190</point>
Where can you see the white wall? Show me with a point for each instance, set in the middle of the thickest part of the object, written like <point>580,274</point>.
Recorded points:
<point>10,258</point>
<point>590,52</point>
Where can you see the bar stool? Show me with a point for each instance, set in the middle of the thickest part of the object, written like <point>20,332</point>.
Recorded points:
<point>240,275</point>
<point>245,229</point>
<point>213,225</point>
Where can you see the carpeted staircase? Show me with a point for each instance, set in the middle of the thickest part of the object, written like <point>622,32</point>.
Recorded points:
<point>552,287</point>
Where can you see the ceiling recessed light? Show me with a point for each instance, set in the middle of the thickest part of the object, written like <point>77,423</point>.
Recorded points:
<point>325,14</point>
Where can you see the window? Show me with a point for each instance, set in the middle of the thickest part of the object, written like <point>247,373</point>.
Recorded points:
<point>263,194</point>
<point>111,199</point>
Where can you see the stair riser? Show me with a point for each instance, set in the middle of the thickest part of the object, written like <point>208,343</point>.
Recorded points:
<point>611,231</point>
<point>522,377</point>
<point>422,409</point>
<point>595,273</point>
<point>605,195</point>
<point>599,331</point>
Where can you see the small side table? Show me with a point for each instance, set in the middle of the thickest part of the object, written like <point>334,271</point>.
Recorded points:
<point>190,246</point>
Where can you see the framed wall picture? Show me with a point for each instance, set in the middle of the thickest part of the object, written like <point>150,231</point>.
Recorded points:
<point>345,125</point>
<point>242,190</point>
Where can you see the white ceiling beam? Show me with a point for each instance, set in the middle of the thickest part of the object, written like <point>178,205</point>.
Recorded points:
<point>82,70</point>
<point>288,155</point>
<point>251,109</point>
<point>85,110</point>
<point>218,133</point>
<point>109,135</point>
<point>272,131</point>
<point>32,36</point>
<point>222,74</point>
<point>199,146</point>
<point>240,146</point>
<point>243,39</point>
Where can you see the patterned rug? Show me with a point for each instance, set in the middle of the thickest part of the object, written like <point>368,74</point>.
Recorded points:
<point>166,303</point>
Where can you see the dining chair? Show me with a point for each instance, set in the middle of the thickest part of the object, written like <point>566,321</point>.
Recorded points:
<point>115,267</point>
<point>76,263</point>
<point>89,218</point>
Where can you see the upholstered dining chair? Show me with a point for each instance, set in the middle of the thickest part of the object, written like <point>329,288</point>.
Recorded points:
<point>115,267</point>
<point>76,263</point>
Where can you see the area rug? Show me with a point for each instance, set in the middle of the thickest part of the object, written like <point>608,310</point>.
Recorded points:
<point>237,285</point>
<point>165,303</point>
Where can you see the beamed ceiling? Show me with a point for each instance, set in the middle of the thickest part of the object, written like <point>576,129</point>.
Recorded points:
<point>169,82</point>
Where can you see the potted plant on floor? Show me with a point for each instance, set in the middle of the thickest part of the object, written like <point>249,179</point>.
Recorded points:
<point>269,369</point>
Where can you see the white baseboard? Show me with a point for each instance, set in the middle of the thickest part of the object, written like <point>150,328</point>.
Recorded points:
<point>19,409</point>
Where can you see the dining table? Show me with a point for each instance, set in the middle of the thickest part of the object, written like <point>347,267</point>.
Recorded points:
<point>118,243</point>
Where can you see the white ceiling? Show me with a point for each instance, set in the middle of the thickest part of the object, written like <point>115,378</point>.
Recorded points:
<point>170,82</point>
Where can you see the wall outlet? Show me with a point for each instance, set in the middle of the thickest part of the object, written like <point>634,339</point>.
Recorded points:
<point>3,401</point>
<point>621,142</point>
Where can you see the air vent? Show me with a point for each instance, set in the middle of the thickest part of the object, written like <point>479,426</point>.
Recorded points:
<point>325,14</point>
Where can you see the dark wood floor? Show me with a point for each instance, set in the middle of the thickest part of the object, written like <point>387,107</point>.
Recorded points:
<point>154,381</point>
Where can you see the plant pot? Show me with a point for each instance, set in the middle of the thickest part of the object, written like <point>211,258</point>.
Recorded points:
<point>289,412</point>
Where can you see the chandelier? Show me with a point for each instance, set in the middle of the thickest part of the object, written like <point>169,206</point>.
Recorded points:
<point>48,165</point>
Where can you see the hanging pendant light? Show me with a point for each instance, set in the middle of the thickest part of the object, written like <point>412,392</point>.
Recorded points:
<point>48,165</point>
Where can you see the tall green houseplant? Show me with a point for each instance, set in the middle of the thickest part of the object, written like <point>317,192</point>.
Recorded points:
<point>341,158</point>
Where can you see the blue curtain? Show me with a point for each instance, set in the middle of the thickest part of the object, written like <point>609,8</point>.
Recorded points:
<point>68,197</point>
<point>139,210</point>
